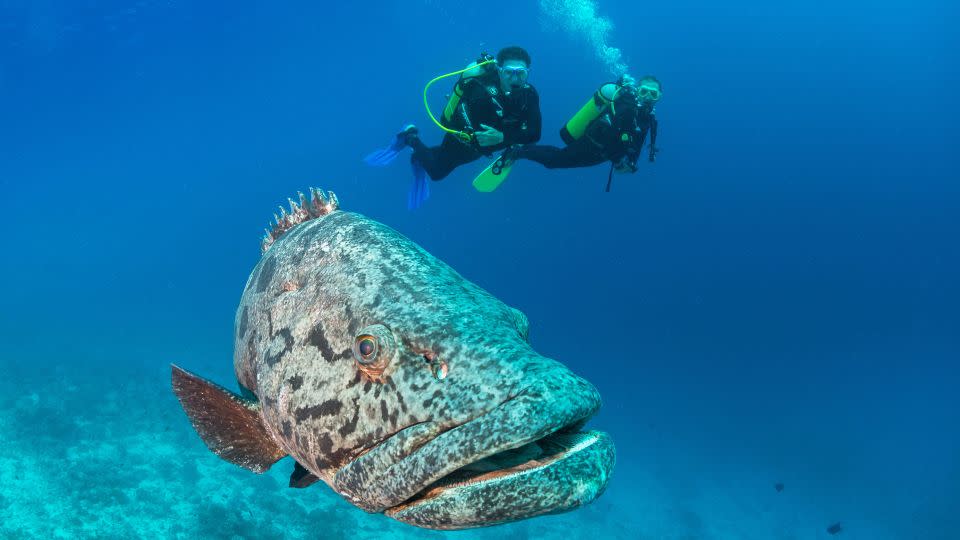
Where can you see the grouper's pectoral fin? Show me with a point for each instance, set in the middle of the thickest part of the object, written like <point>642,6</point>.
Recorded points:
<point>229,424</point>
<point>301,477</point>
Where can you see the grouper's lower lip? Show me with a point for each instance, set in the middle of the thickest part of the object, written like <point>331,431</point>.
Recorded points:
<point>405,465</point>
<point>559,472</point>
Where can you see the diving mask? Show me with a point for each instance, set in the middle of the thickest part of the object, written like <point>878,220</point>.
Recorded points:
<point>649,93</point>
<point>512,72</point>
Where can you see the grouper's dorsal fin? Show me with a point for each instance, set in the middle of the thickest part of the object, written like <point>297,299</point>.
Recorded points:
<point>229,425</point>
<point>317,206</point>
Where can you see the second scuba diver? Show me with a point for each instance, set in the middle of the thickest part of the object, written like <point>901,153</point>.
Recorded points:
<point>612,126</point>
<point>492,107</point>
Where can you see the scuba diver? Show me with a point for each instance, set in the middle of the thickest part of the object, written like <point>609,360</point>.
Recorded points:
<point>492,107</point>
<point>612,126</point>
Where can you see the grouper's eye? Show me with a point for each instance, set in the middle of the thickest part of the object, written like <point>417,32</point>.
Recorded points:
<point>373,349</point>
<point>366,349</point>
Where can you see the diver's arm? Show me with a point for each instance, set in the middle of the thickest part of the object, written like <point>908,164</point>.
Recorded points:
<point>534,123</point>
<point>631,159</point>
<point>633,133</point>
<point>529,131</point>
<point>470,91</point>
<point>653,139</point>
<point>489,136</point>
<point>631,153</point>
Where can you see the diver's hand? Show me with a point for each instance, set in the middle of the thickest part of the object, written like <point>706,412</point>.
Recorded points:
<point>653,154</point>
<point>489,136</point>
<point>625,165</point>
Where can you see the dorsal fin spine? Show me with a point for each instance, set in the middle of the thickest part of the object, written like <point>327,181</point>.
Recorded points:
<point>318,205</point>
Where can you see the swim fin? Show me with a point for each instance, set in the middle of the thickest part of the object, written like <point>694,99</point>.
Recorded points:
<point>420,188</point>
<point>385,156</point>
<point>495,173</point>
<point>382,157</point>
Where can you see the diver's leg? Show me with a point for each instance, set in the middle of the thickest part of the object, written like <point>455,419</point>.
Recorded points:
<point>424,156</point>
<point>440,161</point>
<point>579,154</point>
<point>543,154</point>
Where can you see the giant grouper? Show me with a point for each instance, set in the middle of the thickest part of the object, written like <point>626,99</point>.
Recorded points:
<point>404,387</point>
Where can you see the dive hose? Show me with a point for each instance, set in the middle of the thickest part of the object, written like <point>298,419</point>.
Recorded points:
<point>462,135</point>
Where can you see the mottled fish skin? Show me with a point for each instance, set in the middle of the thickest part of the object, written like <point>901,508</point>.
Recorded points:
<point>541,490</point>
<point>379,436</point>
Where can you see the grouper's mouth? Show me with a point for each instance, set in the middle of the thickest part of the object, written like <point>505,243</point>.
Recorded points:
<point>543,476</point>
<point>526,457</point>
<point>515,461</point>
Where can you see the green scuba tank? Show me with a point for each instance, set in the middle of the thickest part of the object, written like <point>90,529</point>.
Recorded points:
<point>474,70</point>
<point>577,126</point>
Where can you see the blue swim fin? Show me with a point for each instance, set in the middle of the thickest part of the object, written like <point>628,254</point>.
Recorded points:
<point>382,157</point>
<point>420,188</point>
<point>385,156</point>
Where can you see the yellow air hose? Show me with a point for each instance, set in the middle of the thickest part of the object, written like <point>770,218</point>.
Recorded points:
<point>462,135</point>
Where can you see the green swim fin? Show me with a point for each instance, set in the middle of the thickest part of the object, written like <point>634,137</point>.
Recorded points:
<point>493,175</point>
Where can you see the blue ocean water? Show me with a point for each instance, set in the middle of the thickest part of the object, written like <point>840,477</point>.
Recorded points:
<point>772,301</point>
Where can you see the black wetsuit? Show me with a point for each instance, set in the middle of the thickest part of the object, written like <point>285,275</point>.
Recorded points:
<point>608,138</point>
<point>516,115</point>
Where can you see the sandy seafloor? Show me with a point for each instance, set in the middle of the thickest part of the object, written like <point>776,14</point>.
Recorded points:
<point>82,461</point>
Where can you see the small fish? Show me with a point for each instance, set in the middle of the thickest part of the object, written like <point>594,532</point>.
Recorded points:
<point>835,528</point>
<point>778,486</point>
